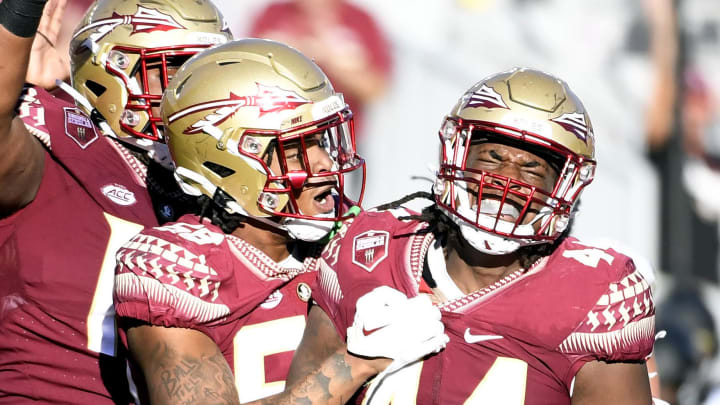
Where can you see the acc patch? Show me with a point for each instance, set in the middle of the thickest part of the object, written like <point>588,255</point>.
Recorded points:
<point>370,248</point>
<point>118,194</point>
<point>79,127</point>
<point>304,292</point>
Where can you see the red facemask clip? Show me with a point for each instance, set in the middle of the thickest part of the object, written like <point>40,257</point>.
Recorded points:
<point>297,178</point>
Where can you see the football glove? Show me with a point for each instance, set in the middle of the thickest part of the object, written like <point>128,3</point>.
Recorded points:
<point>389,324</point>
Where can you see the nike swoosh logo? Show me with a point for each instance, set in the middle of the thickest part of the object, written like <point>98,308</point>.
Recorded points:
<point>367,332</point>
<point>470,338</point>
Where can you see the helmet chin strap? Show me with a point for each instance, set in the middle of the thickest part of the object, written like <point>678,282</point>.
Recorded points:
<point>297,228</point>
<point>303,229</point>
<point>309,230</point>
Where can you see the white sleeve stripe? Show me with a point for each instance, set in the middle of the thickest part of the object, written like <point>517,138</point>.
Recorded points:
<point>610,342</point>
<point>130,286</point>
<point>329,283</point>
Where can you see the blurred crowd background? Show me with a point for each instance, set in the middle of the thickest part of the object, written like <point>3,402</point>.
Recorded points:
<point>648,71</point>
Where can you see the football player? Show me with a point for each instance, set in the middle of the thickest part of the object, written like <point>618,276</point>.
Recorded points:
<point>534,316</point>
<point>123,54</point>
<point>214,304</point>
<point>72,190</point>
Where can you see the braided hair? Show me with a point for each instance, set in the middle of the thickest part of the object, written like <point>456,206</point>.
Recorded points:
<point>446,231</point>
<point>209,208</point>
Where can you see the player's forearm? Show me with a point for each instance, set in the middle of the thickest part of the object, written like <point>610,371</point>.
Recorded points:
<point>173,378</point>
<point>334,383</point>
<point>18,22</point>
<point>181,366</point>
<point>22,157</point>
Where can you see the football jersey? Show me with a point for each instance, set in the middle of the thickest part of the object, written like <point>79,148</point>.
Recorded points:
<point>189,274</point>
<point>57,331</point>
<point>520,340</point>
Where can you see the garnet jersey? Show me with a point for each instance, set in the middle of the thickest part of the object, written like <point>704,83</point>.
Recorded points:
<point>57,333</point>
<point>518,341</point>
<point>189,274</point>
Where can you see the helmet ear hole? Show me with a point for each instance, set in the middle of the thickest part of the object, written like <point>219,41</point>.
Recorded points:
<point>220,170</point>
<point>96,88</point>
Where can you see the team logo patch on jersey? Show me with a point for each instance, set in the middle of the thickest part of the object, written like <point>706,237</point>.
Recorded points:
<point>304,292</point>
<point>273,300</point>
<point>119,194</point>
<point>79,127</point>
<point>370,248</point>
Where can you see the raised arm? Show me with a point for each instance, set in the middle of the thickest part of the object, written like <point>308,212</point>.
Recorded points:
<point>49,57</point>
<point>22,159</point>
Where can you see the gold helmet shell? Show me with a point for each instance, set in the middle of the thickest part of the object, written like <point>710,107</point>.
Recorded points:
<point>122,46</point>
<point>528,109</point>
<point>232,109</point>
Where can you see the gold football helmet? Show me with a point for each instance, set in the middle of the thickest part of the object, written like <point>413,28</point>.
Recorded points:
<point>123,54</point>
<point>526,109</point>
<point>235,111</point>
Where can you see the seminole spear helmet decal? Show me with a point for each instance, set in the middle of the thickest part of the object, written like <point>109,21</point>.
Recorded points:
<point>268,99</point>
<point>124,53</point>
<point>144,20</point>
<point>234,117</point>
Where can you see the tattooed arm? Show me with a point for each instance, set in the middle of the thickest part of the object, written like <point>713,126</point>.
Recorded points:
<point>184,366</point>
<point>181,366</point>
<point>322,371</point>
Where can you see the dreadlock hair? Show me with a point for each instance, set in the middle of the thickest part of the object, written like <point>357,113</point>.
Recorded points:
<point>439,224</point>
<point>207,207</point>
<point>446,231</point>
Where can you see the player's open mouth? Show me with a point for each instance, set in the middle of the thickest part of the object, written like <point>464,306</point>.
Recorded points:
<point>324,201</point>
<point>508,211</point>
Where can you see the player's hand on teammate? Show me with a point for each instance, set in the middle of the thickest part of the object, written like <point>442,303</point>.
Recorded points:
<point>389,324</point>
<point>47,62</point>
